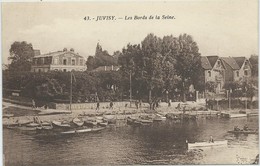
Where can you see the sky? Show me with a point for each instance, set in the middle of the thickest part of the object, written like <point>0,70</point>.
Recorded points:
<point>220,27</point>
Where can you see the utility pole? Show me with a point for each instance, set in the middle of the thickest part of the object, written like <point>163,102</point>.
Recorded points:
<point>130,87</point>
<point>70,90</point>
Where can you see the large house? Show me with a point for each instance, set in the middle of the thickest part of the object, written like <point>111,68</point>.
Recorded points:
<point>214,70</point>
<point>223,70</point>
<point>59,61</point>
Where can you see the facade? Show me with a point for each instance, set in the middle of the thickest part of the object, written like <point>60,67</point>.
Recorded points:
<point>245,69</point>
<point>223,70</point>
<point>59,61</point>
<point>214,71</point>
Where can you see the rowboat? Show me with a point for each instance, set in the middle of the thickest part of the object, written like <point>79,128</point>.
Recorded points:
<point>78,122</point>
<point>33,124</point>
<point>45,127</point>
<point>104,123</point>
<point>146,121</point>
<point>244,132</point>
<point>159,117</point>
<point>60,124</point>
<point>86,130</point>
<point>22,128</point>
<point>90,122</point>
<point>206,144</point>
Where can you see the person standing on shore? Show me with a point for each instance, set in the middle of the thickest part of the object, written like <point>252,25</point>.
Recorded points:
<point>111,105</point>
<point>33,104</point>
<point>97,106</point>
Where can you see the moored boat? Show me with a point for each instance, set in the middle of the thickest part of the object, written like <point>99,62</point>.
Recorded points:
<point>90,122</point>
<point>104,123</point>
<point>206,144</point>
<point>159,117</point>
<point>244,132</point>
<point>60,124</point>
<point>85,130</point>
<point>32,124</point>
<point>22,128</point>
<point>78,122</point>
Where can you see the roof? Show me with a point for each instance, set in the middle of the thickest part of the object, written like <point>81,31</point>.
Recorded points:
<point>240,61</point>
<point>57,53</point>
<point>205,63</point>
<point>231,62</point>
<point>212,59</point>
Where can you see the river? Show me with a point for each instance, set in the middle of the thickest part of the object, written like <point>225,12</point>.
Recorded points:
<point>159,143</point>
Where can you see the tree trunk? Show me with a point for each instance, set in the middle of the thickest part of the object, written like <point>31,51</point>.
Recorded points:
<point>183,92</point>
<point>150,98</point>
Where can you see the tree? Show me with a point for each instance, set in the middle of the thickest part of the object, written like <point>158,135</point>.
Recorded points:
<point>101,58</point>
<point>188,62</point>
<point>254,62</point>
<point>21,54</point>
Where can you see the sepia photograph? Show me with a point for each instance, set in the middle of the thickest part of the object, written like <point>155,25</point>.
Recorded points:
<point>130,83</point>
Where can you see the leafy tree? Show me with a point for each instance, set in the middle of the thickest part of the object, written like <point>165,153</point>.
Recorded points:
<point>254,62</point>
<point>101,58</point>
<point>21,54</point>
<point>188,62</point>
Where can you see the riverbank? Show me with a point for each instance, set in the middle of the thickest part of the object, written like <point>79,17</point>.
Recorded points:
<point>25,114</point>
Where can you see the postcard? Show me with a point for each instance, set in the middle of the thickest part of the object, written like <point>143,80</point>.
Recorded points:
<point>130,83</point>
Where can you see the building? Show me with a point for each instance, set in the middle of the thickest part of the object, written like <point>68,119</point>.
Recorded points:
<point>222,70</point>
<point>59,61</point>
<point>214,71</point>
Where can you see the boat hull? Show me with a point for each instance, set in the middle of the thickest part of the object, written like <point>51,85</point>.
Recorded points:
<point>82,130</point>
<point>206,144</point>
<point>243,132</point>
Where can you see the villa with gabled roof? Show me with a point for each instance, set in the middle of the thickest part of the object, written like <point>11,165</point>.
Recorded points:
<point>59,61</point>
<point>223,70</point>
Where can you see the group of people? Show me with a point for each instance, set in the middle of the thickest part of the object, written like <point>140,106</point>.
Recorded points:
<point>245,128</point>
<point>111,104</point>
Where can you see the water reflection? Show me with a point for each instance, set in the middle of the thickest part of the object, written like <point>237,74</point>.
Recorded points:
<point>159,143</point>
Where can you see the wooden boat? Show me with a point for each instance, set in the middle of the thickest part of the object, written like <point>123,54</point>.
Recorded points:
<point>90,122</point>
<point>159,117</point>
<point>146,121</point>
<point>206,144</point>
<point>22,128</point>
<point>244,132</point>
<point>33,124</point>
<point>78,122</point>
<point>8,115</point>
<point>86,130</point>
<point>130,120</point>
<point>104,123</point>
<point>60,124</point>
<point>137,122</point>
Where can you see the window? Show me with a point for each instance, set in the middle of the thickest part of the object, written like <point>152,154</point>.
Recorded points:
<point>245,73</point>
<point>64,61</point>
<point>39,70</point>
<point>219,63</point>
<point>237,73</point>
<point>64,70</point>
<point>73,62</point>
<point>81,62</point>
<point>245,63</point>
<point>55,61</point>
<point>209,72</point>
